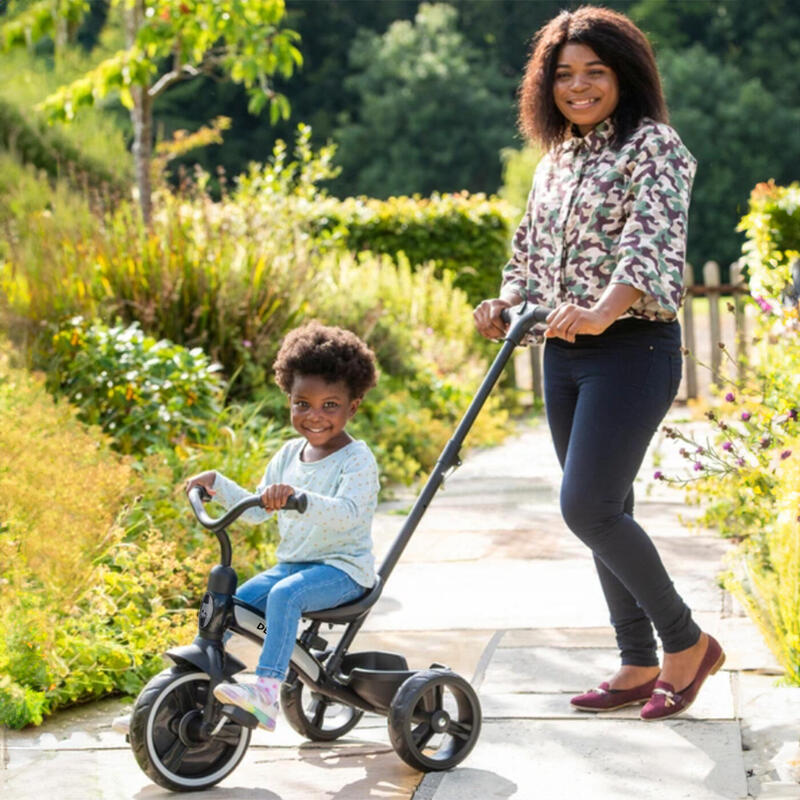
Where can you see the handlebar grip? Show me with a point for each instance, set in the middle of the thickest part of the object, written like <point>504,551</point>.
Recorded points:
<point>296,502</point>
<point>536,313</point>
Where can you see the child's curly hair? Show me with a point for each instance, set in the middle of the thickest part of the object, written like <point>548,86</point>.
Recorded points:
<point>334,354</point>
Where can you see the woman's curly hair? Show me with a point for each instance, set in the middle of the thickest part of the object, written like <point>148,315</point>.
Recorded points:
<point>619,44</point>
<point>335,354</point>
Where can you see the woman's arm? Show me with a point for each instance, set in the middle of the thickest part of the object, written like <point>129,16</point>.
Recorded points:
<point>652,247</point>
<point>568,320</point>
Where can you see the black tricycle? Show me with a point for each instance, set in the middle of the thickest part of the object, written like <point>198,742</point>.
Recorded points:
<point>185,739</point>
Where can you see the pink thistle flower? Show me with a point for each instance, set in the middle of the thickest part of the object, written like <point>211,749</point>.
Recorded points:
<point>785,454</point>
<point>697,466</point>
<point>728,446</point>
<point>746,415</point>
<point>730,397</point>
<point>658,475</point>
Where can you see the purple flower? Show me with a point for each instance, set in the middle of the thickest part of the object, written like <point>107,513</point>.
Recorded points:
<point>785,454</point>
<point>658,475</point>
<point>246,343</point>
<point>697,466</point>
<point>739,462</point>
<point>763,304</point>
<point>727,446</point>
<point>746,415</point>
<point>730,397</point>
<point>700,450</point>
<point>793,415</point>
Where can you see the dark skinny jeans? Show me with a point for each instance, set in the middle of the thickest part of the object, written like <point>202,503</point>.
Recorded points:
<point>605,397</point>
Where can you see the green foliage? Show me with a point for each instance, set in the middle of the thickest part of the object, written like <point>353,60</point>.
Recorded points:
<point>145,393</point>
<point>518,169</point>
<point>432,114</point>
<point>466,234</point>
<point>771,590</point>
<point>747,472</point>
<point>772,227</point>
<point>48,150</point>
<point>422,332</point>
<point>96,585</point>
<point>248,47</point>
<point>96,141</point>
<point>231,277</point>
<point>83,612</point>
<point>721,120</point>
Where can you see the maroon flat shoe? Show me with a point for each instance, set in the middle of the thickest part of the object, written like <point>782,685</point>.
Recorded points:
<point>604,698</point>
<point>666,702</point>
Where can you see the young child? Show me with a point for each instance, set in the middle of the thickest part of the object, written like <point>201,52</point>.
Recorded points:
<point>325,554</point>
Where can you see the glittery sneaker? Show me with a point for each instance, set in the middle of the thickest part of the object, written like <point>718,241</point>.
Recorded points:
<point>259,702</point>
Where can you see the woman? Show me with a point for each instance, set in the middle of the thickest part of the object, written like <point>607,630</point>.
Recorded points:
<point>602,242</point>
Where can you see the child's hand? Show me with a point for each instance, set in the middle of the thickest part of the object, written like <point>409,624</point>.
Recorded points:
<point>204,479</point>
<point>275,496</point>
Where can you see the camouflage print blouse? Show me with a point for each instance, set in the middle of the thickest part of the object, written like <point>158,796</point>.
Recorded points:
<point>596,216</point>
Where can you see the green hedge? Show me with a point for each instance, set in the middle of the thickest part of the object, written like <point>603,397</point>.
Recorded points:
<point>467,234</point>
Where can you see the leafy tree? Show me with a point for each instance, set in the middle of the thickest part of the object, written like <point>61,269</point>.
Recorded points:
<point>239,39</point>
<point>432,111</point>
<point>739,132</point>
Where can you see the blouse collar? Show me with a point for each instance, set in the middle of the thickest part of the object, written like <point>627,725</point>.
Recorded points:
<point>597,138</point>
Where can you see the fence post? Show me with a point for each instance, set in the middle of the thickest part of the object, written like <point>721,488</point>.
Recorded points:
<point>739,315</point>
<point>711,281</point>
<point>688,334</point>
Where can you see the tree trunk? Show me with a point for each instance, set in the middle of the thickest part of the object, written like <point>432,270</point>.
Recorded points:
<point>142,119</point>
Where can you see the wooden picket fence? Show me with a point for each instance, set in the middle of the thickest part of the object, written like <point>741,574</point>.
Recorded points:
<point>713,289</point>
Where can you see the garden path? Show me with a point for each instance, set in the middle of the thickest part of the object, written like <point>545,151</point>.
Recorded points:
<point>495,586</point>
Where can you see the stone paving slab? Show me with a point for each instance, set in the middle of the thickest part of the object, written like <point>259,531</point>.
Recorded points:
<point>552,670</point>
<point>264,774</point>
<point>508,594</point>
<point>606,760</point>
<point>715,702</point>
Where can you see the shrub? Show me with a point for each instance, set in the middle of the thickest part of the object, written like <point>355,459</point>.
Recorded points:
<point>468,235</point>
<point>769,583</point>
<point>422,332</point>
<point>60,486</point>
<point>772,226</point>
<point>143,392</point>
<point>83,612</point>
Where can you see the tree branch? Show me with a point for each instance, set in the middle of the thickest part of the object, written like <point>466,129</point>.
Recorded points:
<point>171,78</point>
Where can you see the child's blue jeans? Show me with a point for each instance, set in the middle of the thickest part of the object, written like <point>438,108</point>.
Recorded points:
<point>283,594</point>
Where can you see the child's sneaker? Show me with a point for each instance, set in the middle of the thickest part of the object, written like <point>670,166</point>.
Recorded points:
<point>257,699</point>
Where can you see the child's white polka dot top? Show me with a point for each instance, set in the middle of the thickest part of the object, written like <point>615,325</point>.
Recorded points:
<point>336,528</point>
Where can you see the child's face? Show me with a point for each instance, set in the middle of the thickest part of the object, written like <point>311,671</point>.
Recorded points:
<point>320,410</point>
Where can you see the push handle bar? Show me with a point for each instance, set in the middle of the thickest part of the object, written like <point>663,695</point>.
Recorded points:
<point>522,318</point>
<point>198,495</point>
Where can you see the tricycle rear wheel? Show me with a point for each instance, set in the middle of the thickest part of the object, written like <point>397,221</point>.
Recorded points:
<point>315,716</point>
<point>434,720</point>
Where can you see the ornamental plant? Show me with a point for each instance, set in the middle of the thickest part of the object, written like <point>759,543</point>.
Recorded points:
<point>772,226</point>
<point>768,584</point>
<point>143,392</point>
<point>733,470</point>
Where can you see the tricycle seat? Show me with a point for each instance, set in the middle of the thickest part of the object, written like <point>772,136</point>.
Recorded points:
<point>350,611</point>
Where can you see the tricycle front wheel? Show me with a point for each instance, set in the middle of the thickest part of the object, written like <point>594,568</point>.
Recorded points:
<point>168,737</point>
